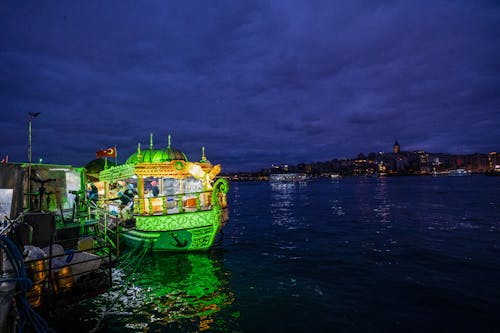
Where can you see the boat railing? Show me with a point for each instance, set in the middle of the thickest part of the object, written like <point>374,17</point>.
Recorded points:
<point>173,203</point>
<point>100,222</point>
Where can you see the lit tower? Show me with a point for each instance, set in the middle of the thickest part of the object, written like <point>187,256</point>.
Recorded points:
<point>396,147</point>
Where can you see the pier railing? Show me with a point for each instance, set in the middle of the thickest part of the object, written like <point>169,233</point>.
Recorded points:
<point>63,267</point>
<point>101,223</point>
<point>66,274</point>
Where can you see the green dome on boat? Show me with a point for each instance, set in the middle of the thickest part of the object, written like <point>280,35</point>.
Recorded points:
<point>174,154</point>
<point>156,155</point>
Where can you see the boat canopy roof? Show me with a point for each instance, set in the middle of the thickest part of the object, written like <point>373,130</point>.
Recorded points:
<point>167,163</point>
<point>172,169</point>
<point>156,156</point>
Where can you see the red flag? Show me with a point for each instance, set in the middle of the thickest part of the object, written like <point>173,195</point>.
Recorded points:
<point>110,152</point>
<point>5,159</point>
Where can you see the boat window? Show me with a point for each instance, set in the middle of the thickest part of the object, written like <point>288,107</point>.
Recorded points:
<point>171,186</point>
<point>192,185</point>
<point>152,187</point>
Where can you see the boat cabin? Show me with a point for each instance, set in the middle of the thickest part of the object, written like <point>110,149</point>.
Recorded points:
<point>160,182</point>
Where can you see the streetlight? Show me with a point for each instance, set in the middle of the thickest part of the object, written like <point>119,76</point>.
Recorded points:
<point>30,116</point>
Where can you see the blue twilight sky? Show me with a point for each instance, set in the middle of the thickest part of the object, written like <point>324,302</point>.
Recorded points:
<point>255,82</point>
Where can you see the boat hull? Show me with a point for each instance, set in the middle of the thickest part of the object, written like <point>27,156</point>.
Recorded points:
<point>190,231</point>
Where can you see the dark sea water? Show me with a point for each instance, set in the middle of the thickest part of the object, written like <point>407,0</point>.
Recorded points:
<point>401,254</point>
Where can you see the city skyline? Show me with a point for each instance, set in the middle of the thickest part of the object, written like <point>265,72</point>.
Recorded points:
<point>483,161</point>
<point>255,83</point>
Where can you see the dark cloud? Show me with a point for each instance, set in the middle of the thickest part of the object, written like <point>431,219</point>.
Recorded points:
<point>256,82</point>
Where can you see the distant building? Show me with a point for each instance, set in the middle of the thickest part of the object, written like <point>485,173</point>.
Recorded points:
<point>396,149</point>
<point>477,162</point>
<point>494,160</point>
<point>277,168</point>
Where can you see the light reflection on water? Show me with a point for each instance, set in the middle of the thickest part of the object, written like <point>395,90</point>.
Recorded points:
<point>383,209</point>
<point>178,292</point>
<point>337,203</point>
<point>282,203</point>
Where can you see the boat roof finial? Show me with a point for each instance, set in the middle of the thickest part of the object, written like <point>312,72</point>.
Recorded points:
<point>169,136</point>
<point>151,141</point>
<point>203,157</point>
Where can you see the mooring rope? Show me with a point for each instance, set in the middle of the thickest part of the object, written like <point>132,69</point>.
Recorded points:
<point>124,260</point>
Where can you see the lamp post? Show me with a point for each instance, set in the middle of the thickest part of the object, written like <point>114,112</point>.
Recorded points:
<point>30,116</point>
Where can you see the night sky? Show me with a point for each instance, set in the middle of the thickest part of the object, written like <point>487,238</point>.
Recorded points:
<point>255,82</point>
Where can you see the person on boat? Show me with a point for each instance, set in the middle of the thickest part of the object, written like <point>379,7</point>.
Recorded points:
<point>131,193</point>
<point>125,203</point>
<point>92,193</point>
<point>154,188</point>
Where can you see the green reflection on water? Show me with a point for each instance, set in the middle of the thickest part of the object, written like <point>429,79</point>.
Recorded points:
<point>185,292</point>
<point>183,286</point>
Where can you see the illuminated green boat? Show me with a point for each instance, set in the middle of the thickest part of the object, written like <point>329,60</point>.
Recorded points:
<point>177,205</point>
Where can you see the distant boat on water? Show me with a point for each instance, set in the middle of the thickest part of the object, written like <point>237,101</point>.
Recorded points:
<point>458,172</point>
<point>287,177</point>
